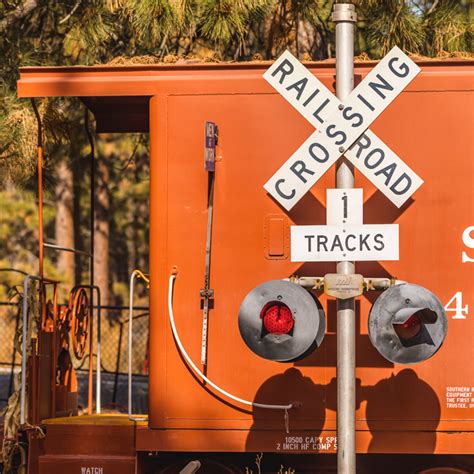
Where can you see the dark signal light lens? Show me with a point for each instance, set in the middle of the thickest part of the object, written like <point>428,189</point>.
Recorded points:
<point>277,318</point>
<point>410,328</point>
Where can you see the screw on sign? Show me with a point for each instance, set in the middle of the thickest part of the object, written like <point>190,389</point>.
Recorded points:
<point>342,128</point>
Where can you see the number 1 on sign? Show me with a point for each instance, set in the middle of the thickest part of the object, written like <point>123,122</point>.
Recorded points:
<point>344,200</point>
<point>344,206</point>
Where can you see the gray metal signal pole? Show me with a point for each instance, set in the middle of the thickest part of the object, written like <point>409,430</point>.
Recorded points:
<point>344,16</point>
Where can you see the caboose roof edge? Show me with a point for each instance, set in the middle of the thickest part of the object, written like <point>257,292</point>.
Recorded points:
<point>118,95</point>
<point>39,81</point>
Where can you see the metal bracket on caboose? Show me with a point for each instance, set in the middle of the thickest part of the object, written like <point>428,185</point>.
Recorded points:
<point>211,131</point>
<point>207,293</point>
<point>345,286</point>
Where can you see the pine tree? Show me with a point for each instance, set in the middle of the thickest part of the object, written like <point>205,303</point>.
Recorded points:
<point>426,27</point>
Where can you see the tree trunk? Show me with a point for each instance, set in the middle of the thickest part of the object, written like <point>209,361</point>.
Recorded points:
<point>78,171</point>
<point>65,222</point>
<point>102,231</point>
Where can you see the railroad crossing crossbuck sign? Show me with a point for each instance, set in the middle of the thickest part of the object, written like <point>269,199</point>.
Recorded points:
<point>342,129</point>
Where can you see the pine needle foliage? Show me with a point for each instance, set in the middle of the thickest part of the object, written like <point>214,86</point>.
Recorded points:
<point>447,28</point>
<point>426,27</point>
<point>19,138</point>
<point>153,20</point>
<point>222,21</point>
<point>390,23</point>
<point>314,12</point>
<point>89,33</point>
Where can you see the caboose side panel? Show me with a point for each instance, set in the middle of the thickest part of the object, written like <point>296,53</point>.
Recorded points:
<point>427,126</point>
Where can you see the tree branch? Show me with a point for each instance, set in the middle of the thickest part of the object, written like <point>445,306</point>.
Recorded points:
<point>435,4</point>
<point>66,18</point>
<point>17,14</point>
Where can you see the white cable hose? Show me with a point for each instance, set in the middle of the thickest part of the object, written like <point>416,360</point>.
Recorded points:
<point>198,372</point>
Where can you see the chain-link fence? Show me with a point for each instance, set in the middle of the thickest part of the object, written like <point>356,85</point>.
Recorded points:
<point>9,359</point>
<point>114,357</point>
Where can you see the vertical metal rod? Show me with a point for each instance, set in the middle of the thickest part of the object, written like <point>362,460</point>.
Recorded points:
<point>117,365</point>
<point>130,341</point>
<point>23,350</point>
<point>91,273</point>
<point>344,16</point>
<point>98,381</point>
<point>40,189</point>
<point>40,211</point>
<point>42,290</point>
<point>130,332</point>
<point>54,354</point>
<point>12,373</point>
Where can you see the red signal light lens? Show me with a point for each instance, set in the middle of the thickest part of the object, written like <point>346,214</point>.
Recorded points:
<point>277,318</point>
<point>410,328</point>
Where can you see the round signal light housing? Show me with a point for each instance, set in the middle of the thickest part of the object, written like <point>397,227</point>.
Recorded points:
<point>281,321</point>
<point>407,324</point>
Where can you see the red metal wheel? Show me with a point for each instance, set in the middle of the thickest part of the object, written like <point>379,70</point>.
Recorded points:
<point>80,319</point>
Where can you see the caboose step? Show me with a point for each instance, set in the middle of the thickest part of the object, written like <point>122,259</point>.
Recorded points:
<point>81,464</point>
<point>97,435</point>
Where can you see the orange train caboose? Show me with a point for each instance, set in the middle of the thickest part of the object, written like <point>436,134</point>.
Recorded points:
<point>220,249</point>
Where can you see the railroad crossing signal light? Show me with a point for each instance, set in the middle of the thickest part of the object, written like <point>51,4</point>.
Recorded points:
<point>280,321</point>
<point>407,324</point>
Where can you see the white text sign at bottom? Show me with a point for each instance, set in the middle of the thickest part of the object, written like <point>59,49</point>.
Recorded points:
<point>334,243</point>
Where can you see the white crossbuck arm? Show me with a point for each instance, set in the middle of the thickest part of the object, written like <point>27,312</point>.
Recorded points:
<point>342,128</point>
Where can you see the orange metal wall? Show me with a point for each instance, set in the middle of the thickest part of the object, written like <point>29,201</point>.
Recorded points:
<point>400,408</point>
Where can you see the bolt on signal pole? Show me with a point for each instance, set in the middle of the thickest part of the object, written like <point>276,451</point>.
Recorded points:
<point>345,17</point>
